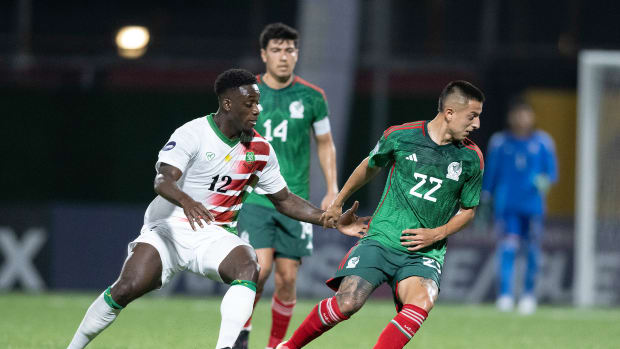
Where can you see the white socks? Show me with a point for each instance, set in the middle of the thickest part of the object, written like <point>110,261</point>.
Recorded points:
<point>99,316</point>
<point>236,309</point>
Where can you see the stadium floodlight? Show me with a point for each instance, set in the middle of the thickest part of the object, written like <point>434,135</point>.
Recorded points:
<point>132,41</point>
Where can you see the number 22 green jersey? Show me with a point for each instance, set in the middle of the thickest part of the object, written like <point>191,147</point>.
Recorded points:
<point>286,119</point>
<point>426,185</point>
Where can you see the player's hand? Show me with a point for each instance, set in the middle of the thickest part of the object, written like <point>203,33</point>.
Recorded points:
<point>327,200</point>
<point>196,213</point>
<point>542,183</point>
<point>351,224</point>
<point>330,217</point>
<point>417,239</point>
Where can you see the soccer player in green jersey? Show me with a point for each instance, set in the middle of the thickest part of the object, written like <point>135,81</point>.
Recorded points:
<point>433,188</point>
<point>292,109</point>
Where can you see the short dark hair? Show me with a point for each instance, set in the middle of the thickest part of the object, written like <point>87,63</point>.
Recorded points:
<point>464,88</point>
<point>277,31</point>
<point>233,78</point>
<point>518,102</point>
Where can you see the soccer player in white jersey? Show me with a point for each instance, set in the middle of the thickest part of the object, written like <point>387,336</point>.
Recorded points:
<point>204,172</point>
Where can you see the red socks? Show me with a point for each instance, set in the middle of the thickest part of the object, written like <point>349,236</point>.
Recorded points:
<point>281,314</point>
<point>402,328</point>
<point>323,317</point>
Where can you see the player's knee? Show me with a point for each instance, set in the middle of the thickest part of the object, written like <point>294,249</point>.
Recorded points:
<point>125,291</point>
<point>348,304</point>
<point>510,242</point>
<point>287,278</point>
<point>248,269</point>
<point>263,275</point>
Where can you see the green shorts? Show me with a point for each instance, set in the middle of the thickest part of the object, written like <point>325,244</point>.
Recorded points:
<point>377,264</point>
<point>264,227</point>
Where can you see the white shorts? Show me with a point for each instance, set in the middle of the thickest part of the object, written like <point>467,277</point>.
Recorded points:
<point>180,248</point>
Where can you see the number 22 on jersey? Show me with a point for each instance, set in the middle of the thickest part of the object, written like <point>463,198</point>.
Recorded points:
<point>422,180</point>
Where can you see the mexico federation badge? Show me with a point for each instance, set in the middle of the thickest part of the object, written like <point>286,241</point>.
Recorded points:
<point>454,171</point>
<point>249,157</point>
<point>297,109</point>
<point>352,263</point>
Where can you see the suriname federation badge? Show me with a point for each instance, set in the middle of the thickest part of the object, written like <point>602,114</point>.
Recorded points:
<point>249,157</point>
<point>454,171</point>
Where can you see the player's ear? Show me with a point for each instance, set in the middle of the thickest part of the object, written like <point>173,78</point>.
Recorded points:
<point>263,55</point>
<point>227,104</point>
<point>449,113</point>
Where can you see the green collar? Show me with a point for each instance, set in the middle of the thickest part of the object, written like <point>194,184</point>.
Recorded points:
<point>228,141</point>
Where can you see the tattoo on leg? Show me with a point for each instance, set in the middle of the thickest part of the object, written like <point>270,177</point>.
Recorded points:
<point>353,293</point>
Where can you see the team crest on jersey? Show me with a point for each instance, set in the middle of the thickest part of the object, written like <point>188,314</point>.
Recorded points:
<point>297,110</point>
<point>249,157</point>
<point>352,263</point>
<point>210,156</point>
<point>454,171</point>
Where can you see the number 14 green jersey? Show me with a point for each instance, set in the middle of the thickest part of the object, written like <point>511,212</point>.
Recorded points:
<point>286,119</point>
<point>426,185</point>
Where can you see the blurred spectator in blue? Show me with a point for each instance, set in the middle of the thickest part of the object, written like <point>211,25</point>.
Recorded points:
<point>521,167</point>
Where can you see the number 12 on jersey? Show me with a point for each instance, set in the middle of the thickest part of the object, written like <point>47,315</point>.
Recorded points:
<point>422,180</point>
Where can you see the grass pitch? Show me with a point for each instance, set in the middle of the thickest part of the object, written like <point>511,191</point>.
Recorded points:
<point>49,321</point>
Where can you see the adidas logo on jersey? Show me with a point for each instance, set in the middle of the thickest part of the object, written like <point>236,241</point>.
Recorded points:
<point>412,157</point>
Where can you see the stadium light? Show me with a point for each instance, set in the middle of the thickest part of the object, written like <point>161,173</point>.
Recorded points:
<point>132,41</point>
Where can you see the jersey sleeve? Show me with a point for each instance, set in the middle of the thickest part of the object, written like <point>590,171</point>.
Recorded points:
<point>320,120</point>
<point>550,159</point>
<point>320,110</point>
<point>180,149</point>
<point>270,180</point>
<point>383,153</point>
<point>470,194</point>
<point>321,127</point>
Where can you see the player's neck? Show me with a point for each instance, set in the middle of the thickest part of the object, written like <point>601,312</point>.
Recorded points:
<point>225,127</point>
<point>438,131</point>
<point>277,83</point>
<point>520,134</point>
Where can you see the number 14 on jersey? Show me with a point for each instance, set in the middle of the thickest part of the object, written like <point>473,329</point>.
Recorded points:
<point>278,132</point>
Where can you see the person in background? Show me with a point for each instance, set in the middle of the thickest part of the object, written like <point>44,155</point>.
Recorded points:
<point>520,169</point>
<point>293,111</point>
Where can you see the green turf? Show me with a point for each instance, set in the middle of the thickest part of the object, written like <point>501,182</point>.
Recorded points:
<point>49,320</point>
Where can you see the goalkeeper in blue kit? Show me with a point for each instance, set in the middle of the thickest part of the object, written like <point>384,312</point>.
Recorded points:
<point>521,167</point>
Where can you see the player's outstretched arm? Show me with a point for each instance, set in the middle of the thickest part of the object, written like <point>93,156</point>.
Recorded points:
<point>166,186</point>
<point>417,239</point>
<point>297,208</point>
<point>362,175</point>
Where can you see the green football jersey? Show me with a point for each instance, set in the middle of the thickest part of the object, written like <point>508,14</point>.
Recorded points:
<point>287,117</point>
<point>426,185</point>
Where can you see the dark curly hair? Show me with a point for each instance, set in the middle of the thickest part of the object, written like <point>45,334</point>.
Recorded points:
<point>233,78</point>
<point>277,31</point>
